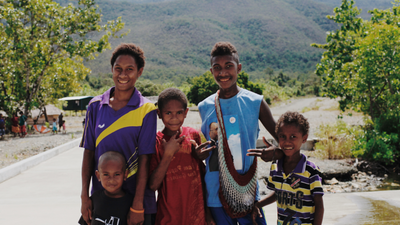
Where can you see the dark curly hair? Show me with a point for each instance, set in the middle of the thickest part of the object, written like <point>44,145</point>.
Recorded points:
<point>129,49</point>
<point>171,94</point>
<point>294,118</point>
<point>224,48</point>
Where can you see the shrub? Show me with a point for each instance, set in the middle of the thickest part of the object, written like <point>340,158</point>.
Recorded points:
<point>336,140</point>
<point>380,141</point>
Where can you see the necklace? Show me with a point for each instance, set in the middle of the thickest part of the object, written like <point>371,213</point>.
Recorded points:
<point>237,192</point>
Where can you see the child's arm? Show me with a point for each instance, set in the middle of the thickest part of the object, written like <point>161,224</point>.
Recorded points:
<point>170,147</point>
<point>201,152</point>
<point>270,153</point>
<point>319,209</point>
<point>270,198</point>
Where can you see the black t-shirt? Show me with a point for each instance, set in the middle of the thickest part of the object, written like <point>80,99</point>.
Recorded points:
<point>108,210</point>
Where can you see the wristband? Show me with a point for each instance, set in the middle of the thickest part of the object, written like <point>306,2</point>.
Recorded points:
<point>137,211</point>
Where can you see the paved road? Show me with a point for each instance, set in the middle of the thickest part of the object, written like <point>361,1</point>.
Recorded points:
<point>49,194</point>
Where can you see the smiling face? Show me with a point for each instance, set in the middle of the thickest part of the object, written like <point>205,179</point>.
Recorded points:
<point>173,115</point>
<point>290,139</point>
<point>225,71</point>
<point>112,174</point>
<point>125,73</point>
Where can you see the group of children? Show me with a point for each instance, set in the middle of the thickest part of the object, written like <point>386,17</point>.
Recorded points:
<point>191,192</point>
<point>61,124</point>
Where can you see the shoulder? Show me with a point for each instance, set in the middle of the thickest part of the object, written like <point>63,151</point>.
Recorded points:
<point>249,95</point>
<point>210,100</point>
<point>95,101</point>
<point>189,130</point>
<point>312,168</point>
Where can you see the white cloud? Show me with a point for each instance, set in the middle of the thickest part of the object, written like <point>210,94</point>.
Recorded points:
<point>236,150</point>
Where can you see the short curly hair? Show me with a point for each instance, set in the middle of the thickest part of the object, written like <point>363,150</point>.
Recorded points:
<point>293,118</point>
<point>171,94</point>
<point>129,49</point>
<point>113,155</point>
<point>224,48</point>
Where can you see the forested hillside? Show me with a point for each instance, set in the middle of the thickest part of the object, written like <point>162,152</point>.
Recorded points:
<point>177,36</point>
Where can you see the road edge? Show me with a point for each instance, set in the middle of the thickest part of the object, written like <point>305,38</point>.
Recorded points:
<point>23,165</point>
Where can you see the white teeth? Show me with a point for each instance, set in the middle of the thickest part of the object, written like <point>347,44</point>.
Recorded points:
<point>123,82</point>
<point>288,148</point>
<point>223,80</point>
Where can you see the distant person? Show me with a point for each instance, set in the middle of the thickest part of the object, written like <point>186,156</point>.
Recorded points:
<point>2,126</point>
<point>63,126</point>
<point>237,112</point>
<point>174,172</point>
<point>83,122</point>
<point>14,124</point>
<point>60,121</point>
<point>21,123</point>
<point>213,162</point>
<point>296,182</point>
<point>123,120</point>
<point>54,131</point>
<point>111,205</point>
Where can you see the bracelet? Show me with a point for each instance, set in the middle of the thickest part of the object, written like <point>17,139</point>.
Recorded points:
<point>137,211</point>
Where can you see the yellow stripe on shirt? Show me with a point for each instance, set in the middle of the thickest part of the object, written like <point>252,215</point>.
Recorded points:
<point>133,118</point>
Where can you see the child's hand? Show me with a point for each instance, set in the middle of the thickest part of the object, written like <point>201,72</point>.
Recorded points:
<point>255,214</point>
<point>268,154</point>
<point>172,146</point>
<point>201,152</point>
<point>86,210</point>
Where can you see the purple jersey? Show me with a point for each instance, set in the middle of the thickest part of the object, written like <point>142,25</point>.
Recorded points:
<point>130,130</point>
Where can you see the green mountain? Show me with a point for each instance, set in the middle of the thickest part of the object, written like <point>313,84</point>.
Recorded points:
<point>364,5</point>
<point>177,36</point>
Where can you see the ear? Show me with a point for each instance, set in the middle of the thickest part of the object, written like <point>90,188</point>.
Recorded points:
<point>126,174</point>
<point>239,68</point>
<point>305,138</point>
<point>98,175</point>
<point>159,114</point>
<point>186,111</point>
<point>140,71</point>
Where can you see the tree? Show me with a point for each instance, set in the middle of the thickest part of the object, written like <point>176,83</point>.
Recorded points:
<point>204,86</point>
<point>361,61</point>
<point>340,49</point>
<point>361,67</point>
<point>42,46</point>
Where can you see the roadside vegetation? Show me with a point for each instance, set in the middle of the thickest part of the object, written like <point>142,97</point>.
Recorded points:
<point>361,68</point>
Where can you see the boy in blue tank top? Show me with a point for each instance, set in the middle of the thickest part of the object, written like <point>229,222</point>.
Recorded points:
<point>237,112</point>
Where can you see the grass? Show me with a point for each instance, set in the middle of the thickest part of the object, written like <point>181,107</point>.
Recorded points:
<point>336,140</point>
<point>305,109</point>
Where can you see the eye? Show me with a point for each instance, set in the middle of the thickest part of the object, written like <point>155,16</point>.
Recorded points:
<point>292,136</point>
<point>216,67</point>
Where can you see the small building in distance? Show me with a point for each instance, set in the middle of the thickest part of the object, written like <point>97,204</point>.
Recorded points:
<point>37,115</point>
<point>76,103</point>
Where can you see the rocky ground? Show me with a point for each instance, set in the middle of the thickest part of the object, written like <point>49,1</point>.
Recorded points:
<point>339,175</point>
